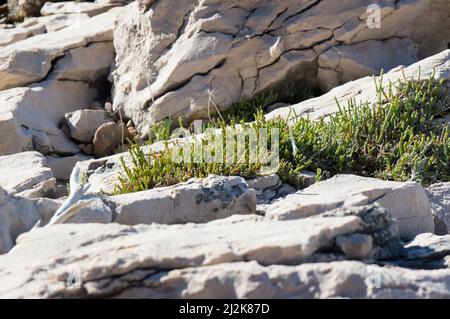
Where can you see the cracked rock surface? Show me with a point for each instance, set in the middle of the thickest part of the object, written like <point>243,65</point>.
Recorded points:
<point>231,50</point>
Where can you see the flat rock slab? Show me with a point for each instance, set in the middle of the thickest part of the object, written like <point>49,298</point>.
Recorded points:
<point>23,172</point>
<point>39,265</point>
<point>406,201</point>
<point>68,7</point>
<point>344,279</point>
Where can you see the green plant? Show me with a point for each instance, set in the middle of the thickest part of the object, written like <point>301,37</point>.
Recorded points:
<point>397,140</point>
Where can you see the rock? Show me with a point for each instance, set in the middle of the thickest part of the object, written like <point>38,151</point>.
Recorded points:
<point>100,247</point>
<point>24,172</point>
<point>30,117</point>
<point>88,149</point>
<point>40,25</point>
<point>17,215</point>
<point>407,201</point>
<point>196,201</point>
<point>81,59</point>
<point>20,9</point>
<point>31,60</point>
<point>107,137</point>
<point>263,182</point>
<point>356,245</point>
<point>439,196</point>
<point>345,63</point>
<point>117,261</point>
<point>308,178</point>
<point>83,123</point>
<point>427,246</point>
<point>228,51</point>
<point>93,211</point>
<point>364,90</point>
<point>62,166</point>
<point>69,7</point>
<point>343,279</point>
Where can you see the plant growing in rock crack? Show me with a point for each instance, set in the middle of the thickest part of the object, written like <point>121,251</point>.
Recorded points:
<point>395,140</point>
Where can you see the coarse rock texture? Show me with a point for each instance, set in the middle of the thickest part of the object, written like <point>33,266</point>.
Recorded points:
<point>365,89</point>
<point>25,173</point>
<point>39,25</point>
<point>41,51</point>
<point>439,195</point>
<point>345,63</point>
<point>93,251</point>
<point>20,9</point>
<point>68,66</point>
<point>196,201</point>
<point>226,51</point>
<point>407,201</point>
<point>17,215</point>
<point>62,166</point>
<point>83,123</point>
<point>69,7</point>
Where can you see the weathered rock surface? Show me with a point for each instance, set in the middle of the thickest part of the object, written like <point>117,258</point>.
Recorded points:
<point>62,166</point>
<point>439,195</point>
<point>17,215</point>
<point>364,90</point>
<point>25,173</point>
<point>107,137</point>
<point>196,201</point>
<point>407,201</point>
<point>41,51</point>
<point>39,25</point>
<point>69,64</point>
<point>69,7</point>
<point>83,123</point>
<point>345,63</point>
<point>20,9</point>
<point>92,251</point>
<point>226,51</point>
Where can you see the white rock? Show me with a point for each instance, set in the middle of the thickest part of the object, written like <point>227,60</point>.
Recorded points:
<point>230,50</point>
<point>30,60</point>
<point>17,215</point>
<point>25,171</point>
<point>62,166</point>
<point>407,201</point>
<point>364,90</point>
<point>439,196</point>
<point>345,63</point>
<point>196,201</point>
<point>83,123</point>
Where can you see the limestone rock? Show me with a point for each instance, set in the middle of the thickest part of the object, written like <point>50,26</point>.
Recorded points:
<point>348,62</point>
<point>30,60</point>
<point>439,195</point>
<point>39,25</point>
<point>97,249</point>
<point>20,9</point>
<point>31,115</point>
<point>406,201</point>
<point>226,51</point>
<point>356,245</point>
<point>83,123</point>
<point>107,137</point>
<point>342,279</point>
<point>196,201</point>
<point>364,90</point>
<point>62,166</point>
<point>17,215</point>
<point>26,171</point>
